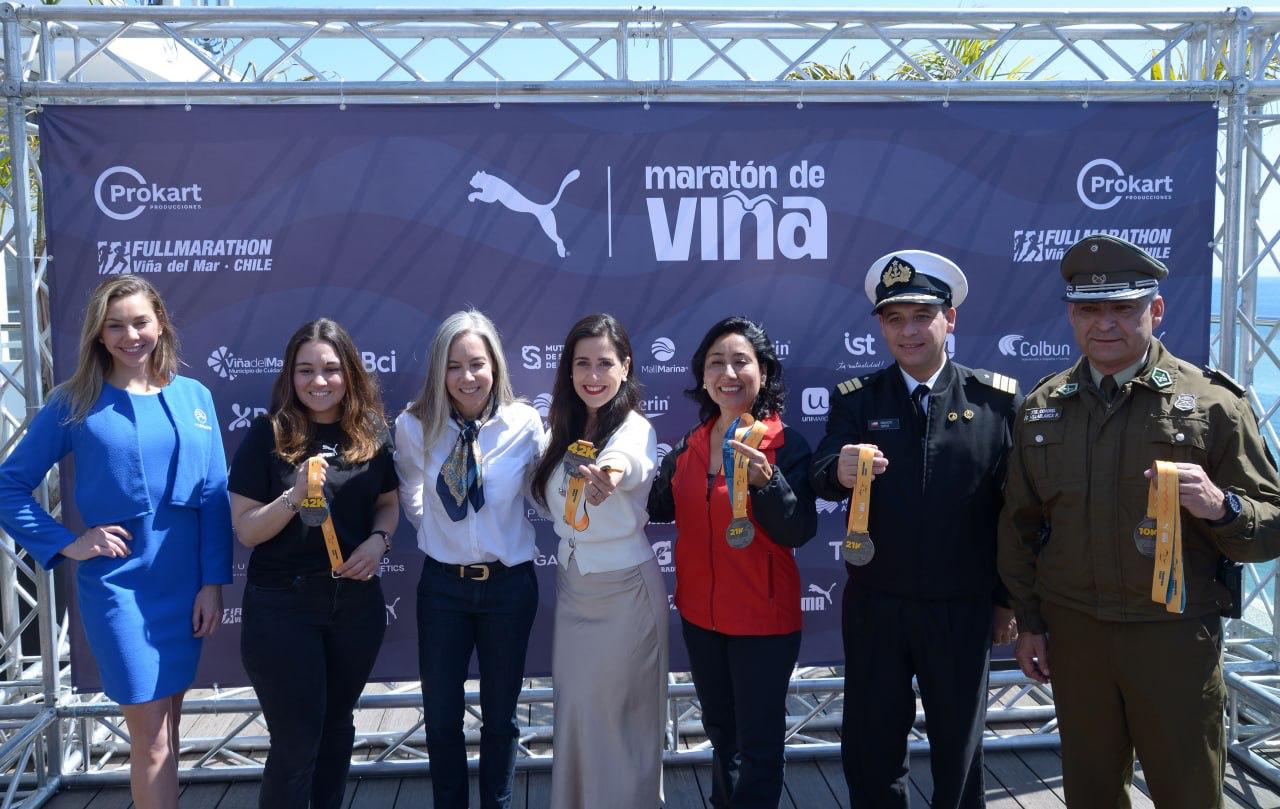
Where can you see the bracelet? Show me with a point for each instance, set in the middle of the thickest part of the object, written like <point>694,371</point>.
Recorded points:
<point>289,504</point>
<point>386,540</point>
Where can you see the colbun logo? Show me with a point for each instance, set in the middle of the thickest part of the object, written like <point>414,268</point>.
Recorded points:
<point>1009,344</point>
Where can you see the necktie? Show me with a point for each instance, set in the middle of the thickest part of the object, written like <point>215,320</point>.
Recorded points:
<point>1109,389</point>
<point>461,479</point>
<point>917,400</point>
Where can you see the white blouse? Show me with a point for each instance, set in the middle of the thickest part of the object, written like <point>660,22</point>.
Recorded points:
<point>615,537</point>
<point>509,445</point>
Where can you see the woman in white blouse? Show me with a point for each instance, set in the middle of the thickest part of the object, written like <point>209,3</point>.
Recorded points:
<point>609,656</point>
<point>464,451</point>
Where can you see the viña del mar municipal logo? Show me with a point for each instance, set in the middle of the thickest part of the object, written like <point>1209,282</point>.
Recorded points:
<point>228,365</point>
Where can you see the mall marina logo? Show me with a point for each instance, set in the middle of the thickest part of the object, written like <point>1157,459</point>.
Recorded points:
<point>122,193</point>
<point>662,349</point>
<point>490,188</point>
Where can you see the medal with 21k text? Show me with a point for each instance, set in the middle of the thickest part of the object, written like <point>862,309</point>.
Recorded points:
<point>857,548</point>
<point>740,532</point>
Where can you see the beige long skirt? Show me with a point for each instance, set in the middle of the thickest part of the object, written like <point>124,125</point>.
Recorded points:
<point>609,669</point>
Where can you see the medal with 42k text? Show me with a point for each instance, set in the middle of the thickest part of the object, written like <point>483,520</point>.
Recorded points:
<point>579,453</point>
<point>314,511</point>
<point>740,532</point>
<point>857,548</point>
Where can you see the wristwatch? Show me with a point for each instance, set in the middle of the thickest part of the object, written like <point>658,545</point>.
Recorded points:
<point>1230,502</point>
<point>386,540</point>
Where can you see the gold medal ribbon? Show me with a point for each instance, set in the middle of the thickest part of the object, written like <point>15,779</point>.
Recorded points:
<point>1168,585</point>
<point>860,498</point>
<point>579,452</point>
<point>750,433</point>
<point>315,494</point>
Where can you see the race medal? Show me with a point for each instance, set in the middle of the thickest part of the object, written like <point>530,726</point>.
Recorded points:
<point>1144,536</point>
<point>314,509</point>
<point>1168,585</point>
<point>857,548</point>
<point>579,453</point>
<point>740,532</point>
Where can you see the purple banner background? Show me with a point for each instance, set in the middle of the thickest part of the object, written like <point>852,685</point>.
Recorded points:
<point>252,220</point>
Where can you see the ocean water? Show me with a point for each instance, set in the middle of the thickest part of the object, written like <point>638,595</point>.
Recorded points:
<point>1266,374</point>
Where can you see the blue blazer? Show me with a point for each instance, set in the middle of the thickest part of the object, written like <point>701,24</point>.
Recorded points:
<point>110,486</point>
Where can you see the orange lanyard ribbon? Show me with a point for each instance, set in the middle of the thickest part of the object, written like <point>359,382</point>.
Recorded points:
<point>1168,585</point>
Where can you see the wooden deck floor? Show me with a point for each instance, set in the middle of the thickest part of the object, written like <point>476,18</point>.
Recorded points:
<point>1028,780</point>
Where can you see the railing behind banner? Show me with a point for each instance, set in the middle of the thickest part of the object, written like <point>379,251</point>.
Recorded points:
<point>122,55</point>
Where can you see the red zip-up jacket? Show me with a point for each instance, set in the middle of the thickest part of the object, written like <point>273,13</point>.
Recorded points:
<point>754,590</point>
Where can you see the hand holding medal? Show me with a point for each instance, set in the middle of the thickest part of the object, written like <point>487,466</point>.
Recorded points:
<point>1163,507</point>
<point>579,455</point>
<point>857,548</point>
<point>314,511</point>
<point>737,466</point>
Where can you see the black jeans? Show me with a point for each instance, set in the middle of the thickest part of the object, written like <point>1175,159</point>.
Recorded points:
<point>308,648</point>
<point>493,618</point>
<point>741,682</point>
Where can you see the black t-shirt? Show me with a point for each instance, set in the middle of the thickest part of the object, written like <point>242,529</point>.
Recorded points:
<point>259,474</point>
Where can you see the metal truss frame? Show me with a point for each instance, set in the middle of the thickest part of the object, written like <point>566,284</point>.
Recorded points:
<point>50,737</point>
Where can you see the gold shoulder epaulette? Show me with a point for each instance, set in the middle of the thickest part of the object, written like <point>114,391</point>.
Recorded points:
<point>850,385</point>
<point>1002,383</point>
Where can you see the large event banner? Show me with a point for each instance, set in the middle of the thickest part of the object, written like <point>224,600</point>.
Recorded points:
<point>254,219</point>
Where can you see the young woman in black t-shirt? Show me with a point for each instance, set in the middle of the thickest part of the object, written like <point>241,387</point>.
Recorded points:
<point>312,631</point>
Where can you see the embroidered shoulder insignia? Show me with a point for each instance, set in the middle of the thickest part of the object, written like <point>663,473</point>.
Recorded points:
<point>1224,379</point>
<point>1065,390</point>
<point>1002,383</point>
<point>1161,379</point>
<point>850,385</point>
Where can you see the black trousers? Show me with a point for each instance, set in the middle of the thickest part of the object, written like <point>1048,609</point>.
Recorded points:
<point>946,645</point>
<point>308,648</point>
<point>741,682</point>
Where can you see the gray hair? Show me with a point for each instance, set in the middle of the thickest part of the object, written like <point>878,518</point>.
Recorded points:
<point>431,407</point>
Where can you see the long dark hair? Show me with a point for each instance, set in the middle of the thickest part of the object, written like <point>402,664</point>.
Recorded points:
<point>770,400</point>
<point>568,414</point>
<point>362,419</point>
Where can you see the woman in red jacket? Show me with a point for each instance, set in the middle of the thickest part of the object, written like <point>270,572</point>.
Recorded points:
<point>737,585</point>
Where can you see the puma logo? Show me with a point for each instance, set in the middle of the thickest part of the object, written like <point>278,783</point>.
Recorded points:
<point>329,450</point>
<point>495,189</point>
<point>391,610</point>
<point>813,588</point>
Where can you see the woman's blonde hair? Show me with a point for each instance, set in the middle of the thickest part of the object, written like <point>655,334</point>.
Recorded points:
<point>85,385</point>
<point>431,408</point>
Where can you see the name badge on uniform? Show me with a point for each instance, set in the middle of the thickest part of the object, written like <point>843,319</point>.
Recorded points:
<point>883,424</point>
<point>1042,414</point>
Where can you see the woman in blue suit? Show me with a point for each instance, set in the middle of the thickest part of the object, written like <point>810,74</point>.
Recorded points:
<point>151,482</point>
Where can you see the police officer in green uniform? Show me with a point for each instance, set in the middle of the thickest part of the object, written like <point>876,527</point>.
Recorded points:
<point>1076,544</point>
<point>925,602</point>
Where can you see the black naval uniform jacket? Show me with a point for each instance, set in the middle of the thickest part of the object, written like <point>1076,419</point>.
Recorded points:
<point>934,510</point>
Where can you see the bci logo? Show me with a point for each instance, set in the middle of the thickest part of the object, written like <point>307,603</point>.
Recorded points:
<point>381,363</point>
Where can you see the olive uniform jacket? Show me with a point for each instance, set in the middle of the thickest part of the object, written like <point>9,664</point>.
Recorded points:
<point>1076,490</point>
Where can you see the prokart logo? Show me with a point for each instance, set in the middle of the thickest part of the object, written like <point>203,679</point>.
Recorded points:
<point>1102,183</point>
<point>122,193</point>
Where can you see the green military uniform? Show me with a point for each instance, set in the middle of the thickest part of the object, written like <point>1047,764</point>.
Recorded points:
<point>1125,672</point>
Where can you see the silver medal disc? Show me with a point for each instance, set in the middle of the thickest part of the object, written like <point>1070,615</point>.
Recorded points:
<point>1144,536</point>
<point>740,533</point>
<point>857,548</point>
<point>314,516</point>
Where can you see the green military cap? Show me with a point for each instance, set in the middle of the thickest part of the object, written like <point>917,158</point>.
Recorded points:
<point>1104,268</point>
